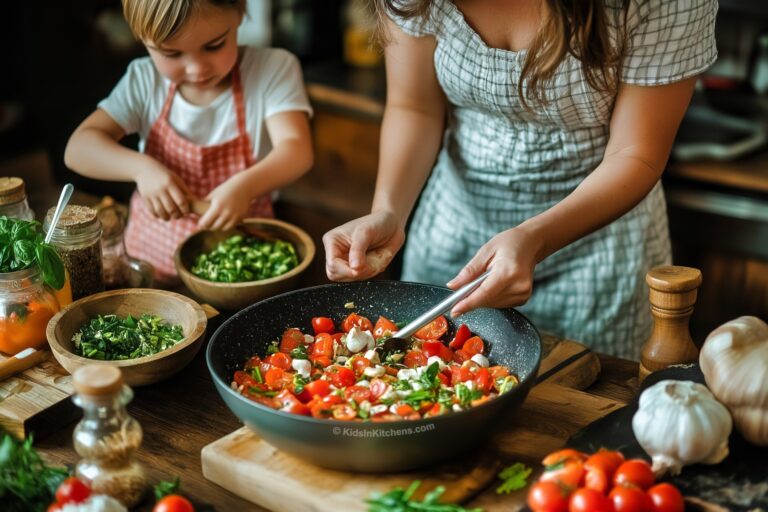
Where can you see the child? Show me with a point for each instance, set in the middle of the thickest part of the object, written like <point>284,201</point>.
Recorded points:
<point>218,125</point>
<point>556,119</point>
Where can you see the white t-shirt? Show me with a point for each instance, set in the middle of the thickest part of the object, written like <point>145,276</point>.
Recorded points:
<point>272,83</point>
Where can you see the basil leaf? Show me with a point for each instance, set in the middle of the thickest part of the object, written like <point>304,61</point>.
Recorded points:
<point>50,265</point>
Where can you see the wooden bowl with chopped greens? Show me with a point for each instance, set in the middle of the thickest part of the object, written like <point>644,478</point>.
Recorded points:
<point>149,334</point>
<point>232,269</point>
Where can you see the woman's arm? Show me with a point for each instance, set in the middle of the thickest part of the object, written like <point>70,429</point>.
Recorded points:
<point>291,157</point>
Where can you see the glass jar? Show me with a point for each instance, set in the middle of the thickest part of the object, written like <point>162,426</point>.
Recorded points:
<point>107,438</point>
<point>117,270</point>
<point>13,199</point>
<point>26,306</point>
<point>77,239</point>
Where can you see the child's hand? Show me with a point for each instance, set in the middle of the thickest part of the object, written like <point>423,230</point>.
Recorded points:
<point>229,205</point>
<point>346,246</point>
<point>164,192</point>
<point>511,255</point>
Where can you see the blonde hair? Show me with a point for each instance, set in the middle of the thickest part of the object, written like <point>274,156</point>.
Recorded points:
<point>159,20</point>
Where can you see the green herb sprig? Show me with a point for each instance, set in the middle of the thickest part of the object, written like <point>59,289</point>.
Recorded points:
<point>514,477</point>
<point>240,258</point>
<point>108,337</point>
<point>22,245</point>
<point>399,500</point>
<point>165,488</point>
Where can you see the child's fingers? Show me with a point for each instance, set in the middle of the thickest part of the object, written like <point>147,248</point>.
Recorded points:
<point>180,199</point>
<point>172,211</point>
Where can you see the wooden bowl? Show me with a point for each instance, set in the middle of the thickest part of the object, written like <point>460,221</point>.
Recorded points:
<point>235,296</point>
<point>173,308</point>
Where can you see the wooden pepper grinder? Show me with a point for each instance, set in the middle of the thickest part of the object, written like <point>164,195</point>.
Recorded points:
<point>672,295</point>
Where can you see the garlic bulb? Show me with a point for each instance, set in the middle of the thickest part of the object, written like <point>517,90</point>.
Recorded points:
<point>679,423</point>
<point>734,360</point>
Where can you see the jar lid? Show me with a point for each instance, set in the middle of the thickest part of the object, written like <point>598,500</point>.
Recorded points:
<point>74,220</point>
<point>11,190</point>
<point>98,380</point>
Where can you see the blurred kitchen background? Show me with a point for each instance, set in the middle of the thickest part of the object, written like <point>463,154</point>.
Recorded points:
<point>61,58</point>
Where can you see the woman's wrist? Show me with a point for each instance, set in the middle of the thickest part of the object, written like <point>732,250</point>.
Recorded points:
<point>536,234</point>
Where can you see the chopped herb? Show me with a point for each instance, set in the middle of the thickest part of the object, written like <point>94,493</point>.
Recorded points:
<point>260,391</point>
<point>429,378</point>
<point>108,337</point>
<point>400,500</point>
<point>506,383</point>
<point>515,477</point>
<point>298,383</point>
<point>300,352</point>
<point>273,348</point>
<point>245,258</point>
<point>164,488</point>
<point>466,395</point>
<point>256,374</point>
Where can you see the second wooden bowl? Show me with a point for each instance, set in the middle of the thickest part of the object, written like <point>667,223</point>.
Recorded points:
<point>173,308</point>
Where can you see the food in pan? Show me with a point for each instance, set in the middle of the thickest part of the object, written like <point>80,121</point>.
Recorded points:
<point>343,374</point>
<point>245,258</point>
<point>109,337</point>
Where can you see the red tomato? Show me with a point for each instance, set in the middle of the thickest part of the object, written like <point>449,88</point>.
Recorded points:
<point>360,321</point>
<point>598,480</point>
<point>341,376</point>
<point>630,499</point>
<point>359,364</point>
<point>318,387</point>
<point>634,472</point>
<point>547,497</point>
<point>589,500</point>
<point>474,345</point>
<point>252,363</point>
<point>289,403</point>
<point>292,338</point>
<point>321,361</point>
<point>323,345</point>
<point>343,412</point>
<point>433,330</point>
<point>414,358</point>
<point>319,409</point>
<point>279,360</point>
<point>53,507</point>
<point>383,327</point>
<point>569,473</point>
<point>461,355</point>
<point>277,378</point>
<point>431,348</point>
<point>244,379</point>
<point>483,380</point>
<point>666,498</point>
<point>606,460</point>
<point>462,334</point>
<point>445,354</point>
<point>174,503</point>
<point>378,387</point>
<point>357,393</point>
<point>323,324</point>
<point>72,490</point>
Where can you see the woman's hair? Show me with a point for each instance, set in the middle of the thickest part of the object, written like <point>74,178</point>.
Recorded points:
<point>159,20</point>
<point>575,27</point>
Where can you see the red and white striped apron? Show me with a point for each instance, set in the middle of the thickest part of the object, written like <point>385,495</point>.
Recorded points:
<point>202,168</point>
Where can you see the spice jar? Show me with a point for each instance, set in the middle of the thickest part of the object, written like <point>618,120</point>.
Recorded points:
<point>13,199</point>
<point>107,437</point>
<point>26,305</point>
<point>77,238</point>
<point>114,257</point>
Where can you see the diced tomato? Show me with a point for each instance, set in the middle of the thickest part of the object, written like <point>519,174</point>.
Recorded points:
<point>435,410</point>
<point>446,380</point>
<point>357,393</point>
<point>383,327</point>
<point>279,360</point>
<point>404,410</point>
<point>415,358</point>
<point>343,412</point>
<point>244,379</point>
<point>378,387</point>
<point>498,371</point>
<point>321,361</point>
<point>323,345</point>
<point>277,378</point>
<point>341,376</point>
<point>483,380</point>
<point>461,355</point>
<point>360,321</point>
<point>332,399</point>
<point>431,348</point>
<point>445,354</point>
<point>359,364</point>
<point>289,403</point>
<point>318,387</point>
<point>466,373</point>
<point>462,334</point>
<point>474,345</point>
<point>337,336</point>
<point>433,330</point>
<point>319,409</point>
<point>322,324</point>
<point>252,363</point>
<point>292,338</point>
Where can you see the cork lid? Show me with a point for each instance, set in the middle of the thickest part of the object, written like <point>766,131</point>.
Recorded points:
<point>98,380</point>
<point>75,219</point>
<point>11,190</point>
<point>673,279</point>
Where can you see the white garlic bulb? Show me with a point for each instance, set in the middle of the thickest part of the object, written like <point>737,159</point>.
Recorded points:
<point>680,423</point>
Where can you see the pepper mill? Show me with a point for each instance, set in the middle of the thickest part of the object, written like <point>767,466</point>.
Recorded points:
<point>672,296</point>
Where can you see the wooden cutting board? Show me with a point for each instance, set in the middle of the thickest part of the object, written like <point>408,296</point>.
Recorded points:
<point>246,465</point>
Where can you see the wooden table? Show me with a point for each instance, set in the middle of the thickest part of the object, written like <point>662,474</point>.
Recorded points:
<point>181,415</point>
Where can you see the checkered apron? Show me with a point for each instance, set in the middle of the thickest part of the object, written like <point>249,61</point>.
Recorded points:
<point>202,168</point>
<point>501,164</point>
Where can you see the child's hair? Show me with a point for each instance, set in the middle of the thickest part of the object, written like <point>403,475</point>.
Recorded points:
<point>159,20</point>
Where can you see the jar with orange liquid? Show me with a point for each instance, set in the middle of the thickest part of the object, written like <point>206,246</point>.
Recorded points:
<point>26,306</point>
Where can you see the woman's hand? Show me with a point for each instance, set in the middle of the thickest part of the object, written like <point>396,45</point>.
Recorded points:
<point>164,192</point>
<point>511,256</point>
<point>363,247</point>
<point>229,204</point>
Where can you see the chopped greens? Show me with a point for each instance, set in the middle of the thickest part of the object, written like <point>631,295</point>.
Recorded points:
<point>244,258</point>
<point>515,477</point>
<point>108,337</point>
<point>399,500</point>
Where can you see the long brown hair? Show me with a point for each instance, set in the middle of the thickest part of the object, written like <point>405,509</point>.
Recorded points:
<point>575,27</point>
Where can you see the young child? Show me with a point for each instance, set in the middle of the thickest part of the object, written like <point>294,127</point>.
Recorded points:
<point>219,126</point>
<point>541,129</point>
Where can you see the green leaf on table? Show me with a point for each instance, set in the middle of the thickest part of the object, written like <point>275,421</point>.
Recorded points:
<point>515,477</point>
<point>164,488</point>
<point>399,500</point>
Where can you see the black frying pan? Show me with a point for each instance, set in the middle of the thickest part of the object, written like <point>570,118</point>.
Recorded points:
<point>510,339</point>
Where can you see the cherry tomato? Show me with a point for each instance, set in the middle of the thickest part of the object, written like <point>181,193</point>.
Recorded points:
<point>357,393</point>
<point>606,460</point>
<point>289,403</point>
<point>561,456</point>
<point>569,473</point>
<point>634,472</point>
<point>483,380</point>
<point>279,360</point>
<point>462,334</point>
<point>589,500</point>
<point>359,321</point>
<point>547,497</point>
<point>630,499</point>
<point>415,358</point>
<point>359,364</point>
<point>433,330</point>
<point>431,348</point>
<point>383,327</point>
<point>318,387</point>
<point>277,378</point>
<point>597,479</point>
<point>445,354</point>
<point>461,355</point>
<point>291,339</point>
<point>323,324</point>
<point>72,490</point>
<point>474,345</point>
<point>341,376</point>
<point>666,498</point>
<point>253,363</point>
<point>174,503</point>
<point>343,412</point>
<point>378,387</point>
<point>323,345</point>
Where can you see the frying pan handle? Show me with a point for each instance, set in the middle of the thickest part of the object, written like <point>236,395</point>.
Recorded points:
<point>445,305</point>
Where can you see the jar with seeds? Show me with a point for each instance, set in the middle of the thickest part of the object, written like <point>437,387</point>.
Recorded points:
<point>107,438</point>
<point>77,239</point>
